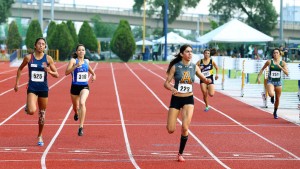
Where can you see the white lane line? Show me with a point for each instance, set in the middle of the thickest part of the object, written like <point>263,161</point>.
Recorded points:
<point>7,71</point>
<point>43,159</point>
<point>190,132</point>
<point>238,123</point>
<point>129,152</point>
<point>1,94</point>
<point>16,112</point>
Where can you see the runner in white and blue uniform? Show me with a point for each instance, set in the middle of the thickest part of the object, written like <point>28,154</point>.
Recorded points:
<point>183,71</point>
<point>79,68</point>
<point>39,66</point>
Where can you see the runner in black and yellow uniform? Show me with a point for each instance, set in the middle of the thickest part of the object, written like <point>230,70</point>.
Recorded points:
<point>206,66</point>
<point>274,78</point>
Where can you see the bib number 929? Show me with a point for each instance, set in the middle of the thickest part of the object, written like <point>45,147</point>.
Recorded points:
<point>185,88</point>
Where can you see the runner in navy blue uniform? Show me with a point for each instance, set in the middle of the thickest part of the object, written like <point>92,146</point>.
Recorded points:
<point>183,71</point>
<point>79,68</point>
<point>39,65</point>
<point>206,66</point>
<point>276,66</point>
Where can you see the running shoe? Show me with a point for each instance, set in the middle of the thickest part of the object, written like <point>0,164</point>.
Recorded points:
<point>80,131</point>
<point>40,142</point>
<point>272,100</point>
<point>26,109</point>
<point>75,117</point>
<point>206,109</point>
<point>180,158</point>
<point>275,115</point>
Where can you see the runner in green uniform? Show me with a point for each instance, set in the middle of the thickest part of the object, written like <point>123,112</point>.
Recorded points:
<point>276,66</point>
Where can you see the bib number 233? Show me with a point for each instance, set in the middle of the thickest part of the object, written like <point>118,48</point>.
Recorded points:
<point>184,88</point>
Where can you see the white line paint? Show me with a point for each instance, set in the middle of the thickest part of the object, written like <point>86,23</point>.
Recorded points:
<point>129,152</point>
<point>43,159</point>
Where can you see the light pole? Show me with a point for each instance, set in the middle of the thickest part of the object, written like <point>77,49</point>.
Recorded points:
<point>281,26</point>
<point>166,29</point>
<point>41,14</point>
<point>144,27</point>
<point>52,10</point>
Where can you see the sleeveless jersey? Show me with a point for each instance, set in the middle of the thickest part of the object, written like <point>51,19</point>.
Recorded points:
<point>207,70</point>
<point>80,74</point>
<point>37,74</point>
<point>184,77</point>
<point>274,72</point>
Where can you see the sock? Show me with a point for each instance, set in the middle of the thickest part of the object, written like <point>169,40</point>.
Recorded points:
<point>183,141</point>
<point>275,110</point>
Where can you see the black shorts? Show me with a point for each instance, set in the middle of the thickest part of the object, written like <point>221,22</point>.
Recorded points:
<point>76,89</point>
<point>179,102</point>
<point>209,77</point>
<point>43,94</point>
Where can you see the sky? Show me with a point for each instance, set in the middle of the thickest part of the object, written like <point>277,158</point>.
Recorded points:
<point>202,7</point>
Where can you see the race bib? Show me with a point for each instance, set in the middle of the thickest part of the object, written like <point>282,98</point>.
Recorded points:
<point>275,74</point>
<point>37,76</point>
<point>184,88</point>
<point>82,77</point>
<point>206,73</point>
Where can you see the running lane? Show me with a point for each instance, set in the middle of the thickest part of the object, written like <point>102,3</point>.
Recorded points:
<point>145,119</point>
<point>239,134</point>
<point>18,147</point>
<point>102,145</point>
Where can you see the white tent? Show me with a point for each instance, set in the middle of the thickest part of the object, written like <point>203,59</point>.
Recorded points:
<point>147,43</point>
<point>235,31</point>
<point>173,38</point>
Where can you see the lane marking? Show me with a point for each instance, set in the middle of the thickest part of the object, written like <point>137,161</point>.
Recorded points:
<point>22,107</point>
<point>238,123</point>
<point>43,158</point>
<point>122,121</point>
<point>190,132</point>
<point>21,85</point>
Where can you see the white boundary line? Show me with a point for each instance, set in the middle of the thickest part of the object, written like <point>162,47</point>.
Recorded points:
<point>1,94</point>
<point>16,112</point>
<point>238,123</point>
<point>190,132</point>
<point>129,152</point>
<point>43,158</point>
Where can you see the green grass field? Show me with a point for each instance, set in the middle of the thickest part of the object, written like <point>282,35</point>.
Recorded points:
<point>288,85</point>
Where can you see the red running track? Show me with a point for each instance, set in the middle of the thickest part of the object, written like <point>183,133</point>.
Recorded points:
<point>125,126</point>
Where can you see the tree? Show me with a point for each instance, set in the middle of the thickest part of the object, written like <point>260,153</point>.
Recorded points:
<point>101,29</point>
<point>50,32</point>
<point>63,41</point>
<point>259,14</point>
<point>123,43</point>
<point>157,7</point>
<point>73,33</point>
<point>34,31</point>
<point>5,6</point>
<point>14,39</point>
<point>87,37</point>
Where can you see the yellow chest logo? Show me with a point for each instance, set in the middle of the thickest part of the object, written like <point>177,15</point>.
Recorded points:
<point>186,78</point>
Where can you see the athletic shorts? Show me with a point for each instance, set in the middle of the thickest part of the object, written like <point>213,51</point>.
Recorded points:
<point>275,83</point>
<point>179,102</point>
<point>209,77</point>
<point>43,94</point>
<point>76,89</point>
